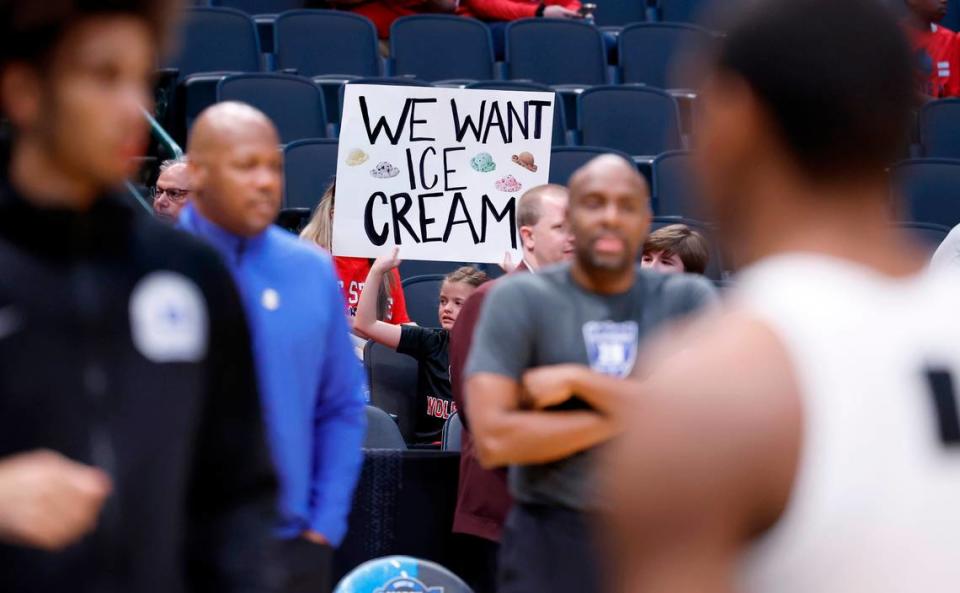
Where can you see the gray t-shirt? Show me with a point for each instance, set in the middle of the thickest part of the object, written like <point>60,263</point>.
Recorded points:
<point>533,320</point>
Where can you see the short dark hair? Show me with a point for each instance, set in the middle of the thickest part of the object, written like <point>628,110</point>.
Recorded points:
<point>32,29</point>
<point>835,75</point>
<point>682,241</point>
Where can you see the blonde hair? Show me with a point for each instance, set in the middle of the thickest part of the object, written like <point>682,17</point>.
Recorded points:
<point>467,274</point>
<point>320,228</point>
<point>320,231</point>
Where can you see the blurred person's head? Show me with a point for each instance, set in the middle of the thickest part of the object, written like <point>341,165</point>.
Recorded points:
<point>675,249</point>
<point>457,287</point>
<point>609,216</point>
<point>790,114</point>
<point>172,190</point>
<point>542,218</point>
<point>320,228</point>
<point>927,11</point>
<point>74,77</point>
<point>236,168</point>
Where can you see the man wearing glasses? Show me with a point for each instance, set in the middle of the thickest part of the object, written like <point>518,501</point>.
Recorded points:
<point>172,191</point>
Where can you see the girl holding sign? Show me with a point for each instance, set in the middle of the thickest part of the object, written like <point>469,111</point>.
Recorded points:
<point>427,345</point>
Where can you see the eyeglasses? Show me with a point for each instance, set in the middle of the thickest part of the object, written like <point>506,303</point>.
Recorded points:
<point>175,194</point>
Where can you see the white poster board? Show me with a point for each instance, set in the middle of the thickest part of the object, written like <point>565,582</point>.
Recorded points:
<point>437,171</point>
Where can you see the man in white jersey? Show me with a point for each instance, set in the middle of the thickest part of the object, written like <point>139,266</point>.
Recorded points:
<point>807,439</point>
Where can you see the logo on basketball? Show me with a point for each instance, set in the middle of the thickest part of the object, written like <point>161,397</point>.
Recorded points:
<point>611,346</point>
<point>407,585</point>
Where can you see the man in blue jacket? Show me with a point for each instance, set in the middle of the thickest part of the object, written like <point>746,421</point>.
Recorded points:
<point>310,381</point>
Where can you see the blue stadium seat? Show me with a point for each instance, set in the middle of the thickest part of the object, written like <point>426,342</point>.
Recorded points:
<point>213,42</point>
<point>930,189</point>
<point>260,6</point>
<point>716,266</point>
<point>940,128</point>
<point>634,119</point>
<point>675,191</point>
<point>619,13</point>
<point>559,112</point>
<point>217,40</point>
<point>649,53</point>
<point>392,378</point>
<point>452,430</point>
<point>382,431</point>
<point>308,168</point>
<point>927,235</point>
<point>410,268</point>
<point>401,573</point>
<point>323,42</point>
<point>423,299</point>
<point>556,52</point>
<point>293,103</point>
<point>564,160</point>
<point>682,11</point>
<point>438,47</point>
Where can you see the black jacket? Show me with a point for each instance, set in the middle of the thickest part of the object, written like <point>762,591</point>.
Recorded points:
<point>123,344</point>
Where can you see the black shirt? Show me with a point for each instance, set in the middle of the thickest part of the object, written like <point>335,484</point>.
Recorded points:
<point>434,398</point>
<point>125,346</point>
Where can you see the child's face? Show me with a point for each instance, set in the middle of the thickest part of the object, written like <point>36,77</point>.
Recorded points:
<point>452,297</point>
<point>662,262</point>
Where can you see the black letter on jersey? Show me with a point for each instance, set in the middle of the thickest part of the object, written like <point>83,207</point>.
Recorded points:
<point>945,401</point>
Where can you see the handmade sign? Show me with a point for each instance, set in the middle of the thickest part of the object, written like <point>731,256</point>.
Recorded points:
<point>437,171</point>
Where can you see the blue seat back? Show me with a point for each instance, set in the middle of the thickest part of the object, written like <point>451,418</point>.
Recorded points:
<point>452,430</point>
<point>382,431</point>
<point>559,113</point>
<point>217,40</point>
<point>293,103</point>
<point>441,47</point>
<point>940,128</point>
<point>618,13</point>
<point>401,573</point>
<point>554,51</point>
<point>655,54</point>
<point>635,120</point>
<point>309,166</point>
<point>930,189</point>
<point>682,11</point>
<point>564,160</point>
<point>927,235</point>
<point>676,191</point>
<point>317,42</point>
<point>392,378</point>
<point>422,294</point>
<point>260,6</point>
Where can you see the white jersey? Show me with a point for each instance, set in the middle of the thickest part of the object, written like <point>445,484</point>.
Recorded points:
<point>875,506</point>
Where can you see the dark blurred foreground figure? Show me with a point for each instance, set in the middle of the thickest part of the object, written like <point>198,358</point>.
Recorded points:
<point>132,455</point>
<point>808,438</point>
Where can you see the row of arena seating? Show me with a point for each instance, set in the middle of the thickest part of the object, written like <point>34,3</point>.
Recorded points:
<point>331,47</point>
<point>928,186</point>
<point>609,13</point>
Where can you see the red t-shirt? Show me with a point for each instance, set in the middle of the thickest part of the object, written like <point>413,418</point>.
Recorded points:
<point>940,46</point>
<point>353,271</point>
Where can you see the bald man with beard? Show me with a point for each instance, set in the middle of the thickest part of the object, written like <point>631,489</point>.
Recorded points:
<point>310,381</point>
<point>584,321</point>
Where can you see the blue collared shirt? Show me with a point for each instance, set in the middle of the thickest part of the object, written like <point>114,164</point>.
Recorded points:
<point>311,383</point>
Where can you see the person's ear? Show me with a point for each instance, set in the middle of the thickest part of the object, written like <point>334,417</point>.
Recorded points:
<point>526,237</point>
<point>21,95</point>
<point>198,176</point>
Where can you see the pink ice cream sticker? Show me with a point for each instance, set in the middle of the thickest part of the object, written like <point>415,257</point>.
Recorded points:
<point>508,184</point>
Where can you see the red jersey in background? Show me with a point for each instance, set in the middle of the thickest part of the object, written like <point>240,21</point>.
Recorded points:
<point>939,59</point>
<point>353,271</point>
